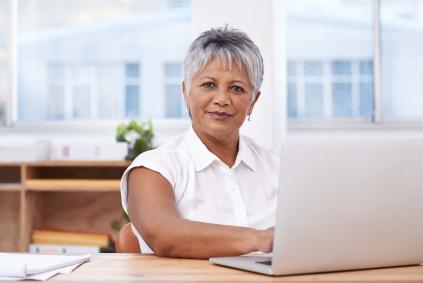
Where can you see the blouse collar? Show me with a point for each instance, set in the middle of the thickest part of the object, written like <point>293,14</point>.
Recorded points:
<point>203,157</point>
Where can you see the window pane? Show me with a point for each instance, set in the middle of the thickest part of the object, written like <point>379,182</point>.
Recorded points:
<point>329,50</point>
<point>366,67</point>
<point>109,104</point>
<point>93,60</point>
<point>173,101</point>
<point>173,70</point>
<point>366,99</point>
<point>132,70</point>
<point>402,57</point>
<point>313,68</point>
<point>132,101</point>
<point>342,100</point>
<point>341,68</point>
<point>292,68</point>
<point>3,59</point>
<point>292,100</point>
<point>56,103</point>
<point>314,100</point>
<point>81,102</point>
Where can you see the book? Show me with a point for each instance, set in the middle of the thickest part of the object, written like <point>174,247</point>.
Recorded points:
<point>57,237</point>
<point>20,265</point>
<point>63,249</point>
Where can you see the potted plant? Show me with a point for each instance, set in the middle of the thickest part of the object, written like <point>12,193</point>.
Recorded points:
<point>138,136</point>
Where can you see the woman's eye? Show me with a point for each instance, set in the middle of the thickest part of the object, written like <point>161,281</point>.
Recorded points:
<point>208,85</point>
<point>237,89</point>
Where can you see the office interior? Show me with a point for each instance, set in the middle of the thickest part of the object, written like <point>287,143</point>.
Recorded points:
<point>71,72</point>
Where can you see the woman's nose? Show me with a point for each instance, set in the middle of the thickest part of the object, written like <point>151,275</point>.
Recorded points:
<point>221,98</point>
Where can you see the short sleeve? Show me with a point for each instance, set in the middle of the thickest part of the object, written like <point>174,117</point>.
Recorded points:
<point>154,160</point>
<point>158,161</point>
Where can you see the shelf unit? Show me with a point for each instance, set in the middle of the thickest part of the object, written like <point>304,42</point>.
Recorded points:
<point>64,195</point>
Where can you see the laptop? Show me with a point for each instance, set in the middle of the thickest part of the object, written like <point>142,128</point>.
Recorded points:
<point>345,204</point>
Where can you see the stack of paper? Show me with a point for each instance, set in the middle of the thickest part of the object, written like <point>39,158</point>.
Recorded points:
<point>21,266</point>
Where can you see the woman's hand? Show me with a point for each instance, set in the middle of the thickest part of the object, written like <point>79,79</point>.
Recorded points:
<point>264,240</point>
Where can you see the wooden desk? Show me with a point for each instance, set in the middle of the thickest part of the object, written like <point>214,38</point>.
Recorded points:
<point>145,268</point>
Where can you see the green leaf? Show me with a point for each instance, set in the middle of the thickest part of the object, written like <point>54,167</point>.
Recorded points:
<point>121,132</point>
<point>145,140</point>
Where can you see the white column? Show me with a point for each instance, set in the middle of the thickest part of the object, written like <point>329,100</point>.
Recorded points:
<point>12,72</point>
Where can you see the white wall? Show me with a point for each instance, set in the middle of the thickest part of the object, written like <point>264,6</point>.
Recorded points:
<point>255,17</point>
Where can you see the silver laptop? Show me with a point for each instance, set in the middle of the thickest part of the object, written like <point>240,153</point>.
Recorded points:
<point>343,204</point>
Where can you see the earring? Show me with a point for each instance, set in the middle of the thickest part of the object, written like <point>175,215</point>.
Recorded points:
<point>249,118</point>
<point>188,112</point>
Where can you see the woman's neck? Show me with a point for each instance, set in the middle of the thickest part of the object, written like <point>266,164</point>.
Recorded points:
<point>225,148</point>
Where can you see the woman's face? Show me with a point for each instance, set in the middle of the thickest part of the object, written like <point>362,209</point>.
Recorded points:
<point>219,100</point>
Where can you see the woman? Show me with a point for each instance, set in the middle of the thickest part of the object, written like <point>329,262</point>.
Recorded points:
<point>210,192</point>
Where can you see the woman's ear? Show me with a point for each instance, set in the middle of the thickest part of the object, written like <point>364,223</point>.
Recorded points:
<point>253,102</point>
<point>185,93</point>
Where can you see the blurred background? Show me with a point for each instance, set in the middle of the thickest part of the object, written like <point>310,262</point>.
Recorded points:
<point>73,74</point>
<point>331,64</point>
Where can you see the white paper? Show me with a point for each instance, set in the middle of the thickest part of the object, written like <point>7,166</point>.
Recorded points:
<point>20,266</point>
<point>44,276</point>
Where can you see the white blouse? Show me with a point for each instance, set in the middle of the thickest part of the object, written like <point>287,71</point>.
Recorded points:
<point>207,190</point>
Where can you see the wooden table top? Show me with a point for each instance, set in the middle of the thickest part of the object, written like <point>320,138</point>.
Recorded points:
<point>148,268</point>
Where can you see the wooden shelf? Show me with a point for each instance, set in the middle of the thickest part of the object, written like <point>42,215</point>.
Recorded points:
<point>10,187</point>
<point>10,164</point>
<point>76,163</point>
<point>46,195</point>
<point>70,185</point>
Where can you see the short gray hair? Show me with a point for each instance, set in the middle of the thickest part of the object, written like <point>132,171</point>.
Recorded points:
<point>229,46</point>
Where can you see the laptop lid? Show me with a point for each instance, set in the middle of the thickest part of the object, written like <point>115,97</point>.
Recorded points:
<point>349,203</point>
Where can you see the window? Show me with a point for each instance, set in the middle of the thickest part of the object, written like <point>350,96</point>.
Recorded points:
<point>175,108</point>
<point>330,65</point>
<point>330,89</point>
<point>91,91</point>
<point>99,60</point>
<point>3,58</point>
<point>402,58</point>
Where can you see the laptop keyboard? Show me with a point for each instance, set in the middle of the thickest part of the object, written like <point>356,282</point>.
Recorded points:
<point>266,262</point>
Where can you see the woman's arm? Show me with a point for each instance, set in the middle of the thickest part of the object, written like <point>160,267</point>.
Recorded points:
<point>152,209</point>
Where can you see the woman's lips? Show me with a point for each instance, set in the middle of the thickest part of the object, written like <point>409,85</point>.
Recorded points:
<point>219,115</point>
